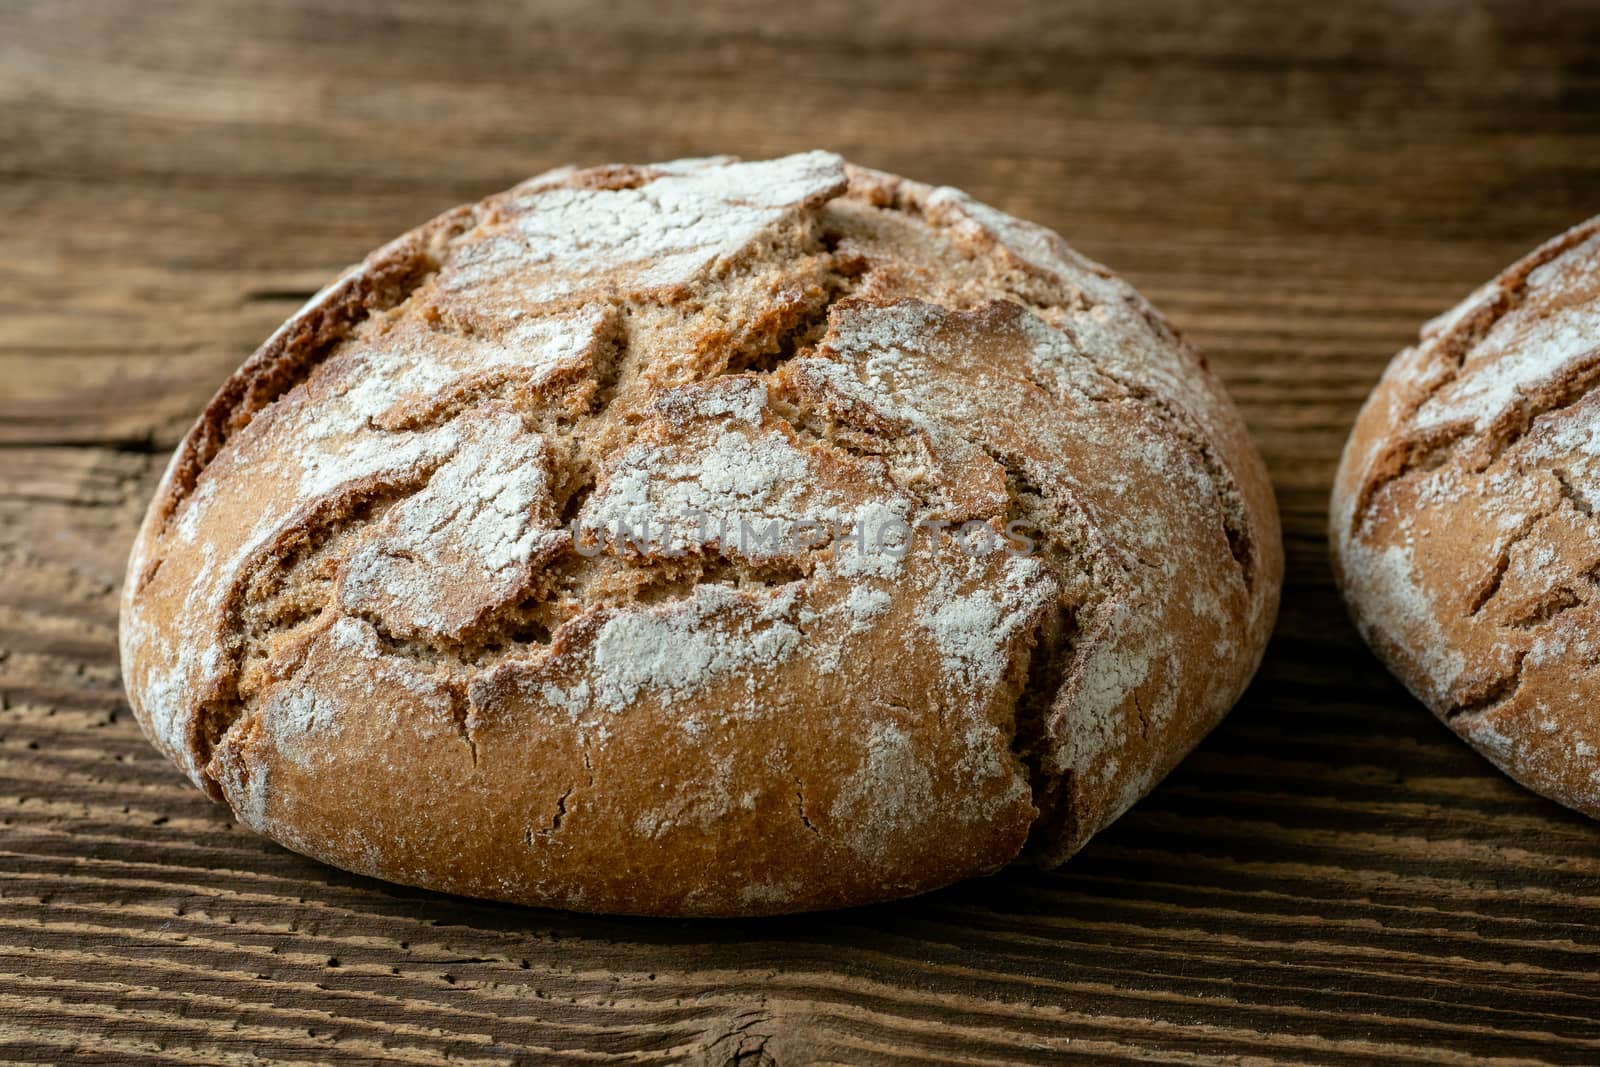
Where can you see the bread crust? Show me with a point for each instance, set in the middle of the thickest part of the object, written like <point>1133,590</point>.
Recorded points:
<point>375,608</point>
<point>1462,519</point>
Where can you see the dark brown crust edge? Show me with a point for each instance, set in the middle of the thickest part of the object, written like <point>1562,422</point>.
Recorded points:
<point>381,281</point>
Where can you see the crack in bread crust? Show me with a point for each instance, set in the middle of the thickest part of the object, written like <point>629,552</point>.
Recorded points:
<point>384,281</point>
<point>765,340</point>
<point>1445,349</point>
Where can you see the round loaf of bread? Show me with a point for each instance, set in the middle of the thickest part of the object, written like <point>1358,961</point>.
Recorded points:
<point>706,538</point>
<point>1463,518</point>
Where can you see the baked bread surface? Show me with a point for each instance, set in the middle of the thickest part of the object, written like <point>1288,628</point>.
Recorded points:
<point>375,607</point>
<point>1463,519</point>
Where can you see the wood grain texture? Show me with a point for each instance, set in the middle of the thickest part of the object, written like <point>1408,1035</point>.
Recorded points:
<point>1330,879</point>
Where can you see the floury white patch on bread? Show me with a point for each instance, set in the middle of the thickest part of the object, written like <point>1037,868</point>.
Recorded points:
<point>976,549</point>
<point>1463,518</point>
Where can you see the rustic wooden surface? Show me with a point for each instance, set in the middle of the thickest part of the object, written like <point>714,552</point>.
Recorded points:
<point>1330,879</point>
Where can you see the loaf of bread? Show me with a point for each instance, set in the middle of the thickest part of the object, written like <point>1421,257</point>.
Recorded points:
<point>1463,519</point>
<point>705,538</point>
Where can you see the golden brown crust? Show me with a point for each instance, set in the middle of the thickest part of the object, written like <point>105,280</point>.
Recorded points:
<point>1462,519</point>
<point>382,607</point>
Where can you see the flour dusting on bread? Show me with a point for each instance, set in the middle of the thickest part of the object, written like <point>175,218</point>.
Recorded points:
<point>705,537</point>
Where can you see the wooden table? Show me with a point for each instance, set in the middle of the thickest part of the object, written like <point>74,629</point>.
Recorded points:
<point>1331,878</point>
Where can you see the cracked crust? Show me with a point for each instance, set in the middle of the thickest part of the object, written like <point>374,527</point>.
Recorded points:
<point>370,609</point>
<point>1463,525</point>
